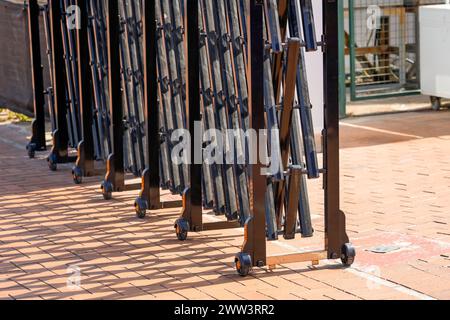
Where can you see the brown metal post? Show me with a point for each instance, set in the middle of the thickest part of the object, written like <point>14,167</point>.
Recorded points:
<point>286,122</point>
<point>294,191</point>
<point>334,218</point>
<point>255,227</point>
<point>37,141</point>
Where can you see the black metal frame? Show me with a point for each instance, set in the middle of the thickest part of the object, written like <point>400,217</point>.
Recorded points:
<point>335,225</point>
<point>60,150</point>
<point>191,218</point>
<point>85,164</point>
<point>254,253</point>
<point>115,172</point>
<point>37,141</point>
<point>150,197</point>
<point>254,249</point>
<point>255,226</point>
<point>115,179</point>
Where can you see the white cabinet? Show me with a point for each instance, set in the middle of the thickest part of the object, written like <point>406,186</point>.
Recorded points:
<point>435,50</point>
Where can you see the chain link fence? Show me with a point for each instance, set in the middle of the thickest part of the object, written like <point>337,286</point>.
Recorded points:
<point>382,47</point>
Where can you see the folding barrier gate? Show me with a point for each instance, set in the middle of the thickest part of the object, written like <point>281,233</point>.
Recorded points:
<point>134,72</point>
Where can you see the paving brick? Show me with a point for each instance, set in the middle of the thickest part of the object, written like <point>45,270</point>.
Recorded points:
<point>395,190</point>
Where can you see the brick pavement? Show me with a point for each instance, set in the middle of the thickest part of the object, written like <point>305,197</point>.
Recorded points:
<point>395,191</point>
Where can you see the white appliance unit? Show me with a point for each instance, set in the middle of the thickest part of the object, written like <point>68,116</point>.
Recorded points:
<point>435,52</point>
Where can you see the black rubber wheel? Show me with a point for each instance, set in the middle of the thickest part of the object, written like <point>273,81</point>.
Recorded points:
<point>107,190</point>
<point>182,229</point>
<point>31,148</point>
<point>436,104</point>
<point>77,175</point>
<point>348,254</point>
<point>243,264</point>
<point>31,154</point>
<point>140,206</point>
<point>77,179</point>
<point>52,162</point>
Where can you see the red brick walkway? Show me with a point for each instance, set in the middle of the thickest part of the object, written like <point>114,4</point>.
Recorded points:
<point>395,191</point>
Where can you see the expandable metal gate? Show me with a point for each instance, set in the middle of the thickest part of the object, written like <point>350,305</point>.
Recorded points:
<point>152,77</point>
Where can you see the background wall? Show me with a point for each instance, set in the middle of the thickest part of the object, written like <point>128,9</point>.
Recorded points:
<point>314,68</point>
<point>15,67</point>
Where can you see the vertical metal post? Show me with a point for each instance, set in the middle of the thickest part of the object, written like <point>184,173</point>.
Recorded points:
<point>342,86</point>
<point>60,136</point>
<point>417,41</point>
<point>255,227</point>
<point>85,160</point>
<point>151,178</point>
<point>37,141</point>
<point>351,13</point>
<point>193,196</point>
<point>334,218</point>
<point>115,167</point>
<point>149,197</point>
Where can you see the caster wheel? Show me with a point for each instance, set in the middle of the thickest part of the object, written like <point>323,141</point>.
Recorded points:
<point>31,148</point>
<point>140,206</point>
<point>107,189</point>
<point>243,263</point>
<point>77,175</point>
<point>348,254</point>
<point>52,162</point>
<point>182,228</point>
<point>436,103</point>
